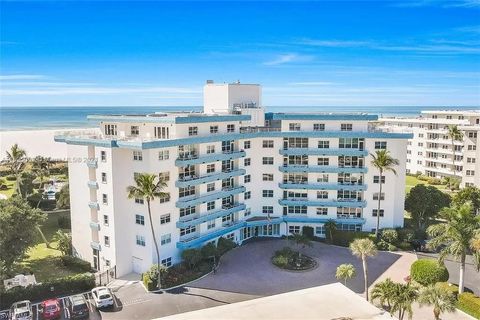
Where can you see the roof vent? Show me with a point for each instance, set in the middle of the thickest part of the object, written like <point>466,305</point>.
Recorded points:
<point>209,81</point>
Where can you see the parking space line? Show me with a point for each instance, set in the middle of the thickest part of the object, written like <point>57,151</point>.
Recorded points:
<point>65,309</point>
<point>37,311</point>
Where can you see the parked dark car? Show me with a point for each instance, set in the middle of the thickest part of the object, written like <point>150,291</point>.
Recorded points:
<point>77,307</point>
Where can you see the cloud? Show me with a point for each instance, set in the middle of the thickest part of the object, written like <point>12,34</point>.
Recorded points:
<point>287,58</point>
<point>22,77</point>
<point>334,43</point>
<point>438,3</point>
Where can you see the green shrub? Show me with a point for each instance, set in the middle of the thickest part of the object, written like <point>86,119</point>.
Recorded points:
<point>64,222</point>
<point>75,263</point>
<point>404,245</point>
<point>390,236</point>
<point>285,251</point>
<point>191,257</point>
<point>61,286</point>
<point>428,271</point>
<point>405,234</point>
<point>434,181</point>
<point>422,177</point>
<point>150,278</point>
<point>308,232</point>
<point>382,245</point>
<point>208,251</point>
<point>392,247</point>
<point>343,238</point>
<point>280,260</point>
<point>225,245</point>
<point>469,303</point>
<point>11,177</point>
<point>450,287</point>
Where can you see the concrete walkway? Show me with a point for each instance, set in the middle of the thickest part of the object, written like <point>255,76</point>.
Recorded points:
<point>401,269</point>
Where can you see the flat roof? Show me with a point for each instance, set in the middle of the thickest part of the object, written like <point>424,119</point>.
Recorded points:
<point>321,116</point>
<point>467,113</point>
<point>331,301</point>
<point>174,117</point>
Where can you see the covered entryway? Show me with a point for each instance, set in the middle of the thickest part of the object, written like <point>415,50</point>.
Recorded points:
<point>137,265</point>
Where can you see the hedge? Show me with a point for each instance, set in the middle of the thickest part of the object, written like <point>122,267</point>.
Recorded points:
<point>77,264</point>
<point>343,238</point>
<point>469,303</point>
<point>61,286</point>
<point>428,271</point>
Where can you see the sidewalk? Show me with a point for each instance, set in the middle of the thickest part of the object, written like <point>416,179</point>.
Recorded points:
<point>398,271</point>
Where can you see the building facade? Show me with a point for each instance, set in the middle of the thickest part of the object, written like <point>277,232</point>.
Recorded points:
<point>430,151</point>
<point>232,171</point>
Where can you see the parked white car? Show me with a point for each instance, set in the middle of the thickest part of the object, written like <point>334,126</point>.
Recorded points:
<point>102,297</point>
<point>21,310</point>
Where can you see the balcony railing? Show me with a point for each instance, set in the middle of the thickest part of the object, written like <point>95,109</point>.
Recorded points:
<point>211,196</point>
<point>92,184</point>
<point>210,157</point>
<point>94,205</point>
<point>92,163</point>
<point>201,218</point>
<point>215,176</point>
<point>321,169</point>
<point>188,156</point>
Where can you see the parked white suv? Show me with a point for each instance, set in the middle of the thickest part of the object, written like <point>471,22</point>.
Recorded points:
<point>102,297</point>
<point>21,310</point>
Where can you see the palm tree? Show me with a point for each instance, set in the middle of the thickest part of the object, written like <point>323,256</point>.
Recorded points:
<point>40,168</point>
<point>475,246</point>
<point>439,297</point>
<point>455,235</point>
<point>363,248</point>
<point>345,272</point>
<point>404,295</point>
<point>330,227</point>
<point>383,162</point>
<point>384,291</point>
<point>148,187</point>
<point>455,135</point>
<point>301,241</point>
<point>16,160</point>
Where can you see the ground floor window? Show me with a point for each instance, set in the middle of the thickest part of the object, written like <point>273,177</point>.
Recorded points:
<point>141,241</point>
<point>167,262</point>
<point>320,231</point>
<point>230,236</point>
<point>260,231</point>
<point>349,227</point>
<point>293,229</point>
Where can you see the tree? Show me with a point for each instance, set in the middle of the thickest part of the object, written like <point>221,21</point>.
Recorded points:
<point>455,234</point>
<point>404,295</point>
<point>63,197</point>
<point>148,187</point>
<point>64,242</point>
<point>25,184</point>
<point>424,203</point>
<point>363,248</point>
<point>18,227</point>
<point>383,292</point>
<point>475,246</point>
<point>191,257</point>
<point>345,272</point>
<point>330,227</point>
<point>16,160</point>
<point>455,135</point>
<point>41,169</point>
<point>439,297</point>
<point>467,194</point>
<point>384,163</point>
<point>301,241</point>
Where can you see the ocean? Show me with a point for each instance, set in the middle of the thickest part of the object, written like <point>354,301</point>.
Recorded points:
<point>30,118</point>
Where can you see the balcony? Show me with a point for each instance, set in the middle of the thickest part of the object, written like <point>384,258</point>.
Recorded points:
<point>212,157</point>
<point>196,180</point>
<point>323,152</point>
<point>95,225</point>
<point>95,245</point>
<point>296,219</point>
<point>92,163</point>
<point>199,239</point>
<point>321,169</point>
<point>94,205</point>
<point>323,203</point>
<point>323,186</point>
<point>198,199</point>
<point>92,184</point>
<point>225,211</point>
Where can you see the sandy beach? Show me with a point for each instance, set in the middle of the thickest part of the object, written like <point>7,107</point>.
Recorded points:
<point>36,142</point>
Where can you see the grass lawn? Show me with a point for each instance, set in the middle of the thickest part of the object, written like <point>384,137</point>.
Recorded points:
<point>411,182</point>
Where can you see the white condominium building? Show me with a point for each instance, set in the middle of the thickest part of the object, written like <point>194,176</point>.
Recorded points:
<point>232,171</point>
<point>430,151</point>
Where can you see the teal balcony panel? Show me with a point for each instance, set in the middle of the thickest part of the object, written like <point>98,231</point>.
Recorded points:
<point>321,169</point>
<point>209,178</point>
<point>265,222</point>
<point>95,225</point>
<point>92,184</point>
<point>323,152</point>
<point>323,186</point>
<point>325,203</point>
<point>95,245</point>
<point>201,239</point>
<point>92,163</point>
<point>195,200</point>
<point>94,205</point>
<point>210,158</point>
<point>210,216</point>
<point>295,219</point>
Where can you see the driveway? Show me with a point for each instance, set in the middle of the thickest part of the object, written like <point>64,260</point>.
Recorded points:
<point>248,270</point>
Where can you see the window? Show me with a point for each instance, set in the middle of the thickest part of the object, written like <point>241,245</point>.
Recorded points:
<point>267,177</point>
<point>376,179</point>
<point>139,219</point>
<point>267,193</point>
<point>213,129</point>
<point>162,132</point>
<point>230,128</point>
<point>103,156</point>
<point>192,131</point>
<point>380,144</point>
<point>210,149</point>
<point>346,127</point>
<point>138,201</point>
<point>187,191</point>
<point>297,210</point>
<point>350,143</point>
<point>470,172</point>
<point>246,162</point>
<point>267,144</point>
<point>320,231</point>
<point>472,134</point>
<point>246,144</point>
<point>470,160</point>
<point>322,178</point>
<point>267,160</point>
<point>323,144</point>
<point>322,194</point>
<point>319,127</point>
<point>185,212</point>
<point>295,143</point>
<point>247,178</point>
<point>104,177</point>
<point>167,262</point>
<point>164,176</point>
<point>136,175</point>
<point>140,241</point>
<point>322,161</point>
<point>267,209</point>
<point>210,205</point>
<point>165,239</point>
<point>374,212</point>
<point>105,220</point>
<point>134,130</point>
<point>107,263</point>
<point>165,218</point>
<point>187,230</point>
<point>210,187</point>
<point>375,196</point>
<point>247,212</point>
<point>137,156</point>
<point>211,224</point>
<point>111,129</point>
<point>322,211</point>
<point>104,199</point>
<point>210,168</point>
<point>472,147</point>
<point>247,195</point>
<point>165,198</point>
<point>294,126</point>
<point>293,229</point>
<point>163,155</point>
<point>106,240</point>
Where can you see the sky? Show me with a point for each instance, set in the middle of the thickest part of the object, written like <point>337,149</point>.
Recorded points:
<point>320,53</point>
